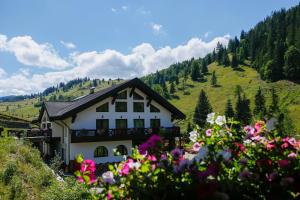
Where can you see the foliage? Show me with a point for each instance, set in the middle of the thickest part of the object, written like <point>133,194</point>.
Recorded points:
<point>203,107</point>
<point>254,162</point>
<point>260,104</point>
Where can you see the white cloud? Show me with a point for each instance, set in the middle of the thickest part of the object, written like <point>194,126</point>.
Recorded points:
<point>2,72</point>
<point>143,11</point>
<point>113,10</point>
<point>157,28</point>
<point>142,60</point>
<point>29,52</point>
<point>68,45</point>
<point>124,8</point>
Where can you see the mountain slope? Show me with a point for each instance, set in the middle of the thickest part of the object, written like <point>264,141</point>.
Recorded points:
<point>249,80</point>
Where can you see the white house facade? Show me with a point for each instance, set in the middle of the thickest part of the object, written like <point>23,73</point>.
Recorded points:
<point>105,125</point>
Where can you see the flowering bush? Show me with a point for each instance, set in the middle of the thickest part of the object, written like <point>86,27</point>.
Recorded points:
<point>250,163</point>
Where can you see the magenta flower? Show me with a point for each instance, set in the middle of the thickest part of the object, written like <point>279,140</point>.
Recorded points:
<point>196,146</point>
<point>270,145</point>
<point>272,176</point>
<point>285,145</point>
<point>88,166</point>
<point>109,196</point>
<point>208,132</point>
<point>283,163</point>
<point>151,145</point>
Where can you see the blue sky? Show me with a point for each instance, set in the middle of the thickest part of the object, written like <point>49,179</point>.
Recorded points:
<point>44,42</point>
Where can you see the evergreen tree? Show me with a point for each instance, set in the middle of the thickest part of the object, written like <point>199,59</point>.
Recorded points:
<point>274,102</point>
<point>203,108</point>
<point>243,112</point>
<point>195,74</point>
<point>204,68</point>
<point>213,79</point>
<point>165,90</point>
<point>234,61</point>
<point>292,63</point>
<point>260,107</point>
<point>226,61</point>
<point>229,112</point>
<point>220,53</point>
<point>172,88</point>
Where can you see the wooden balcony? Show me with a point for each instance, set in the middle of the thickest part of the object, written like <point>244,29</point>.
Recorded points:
<point>39,134</point>
<point>137,134</point>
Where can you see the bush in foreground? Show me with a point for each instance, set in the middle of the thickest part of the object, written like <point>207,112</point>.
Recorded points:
<point>229,163</point>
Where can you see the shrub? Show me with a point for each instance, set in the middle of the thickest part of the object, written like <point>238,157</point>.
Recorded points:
<point>9,171</point>
<point>254,162</point>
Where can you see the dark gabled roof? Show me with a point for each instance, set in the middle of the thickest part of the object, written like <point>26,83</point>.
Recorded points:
<point>61,110</point>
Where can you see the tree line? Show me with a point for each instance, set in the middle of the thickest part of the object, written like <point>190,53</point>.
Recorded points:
<point>242,111</point>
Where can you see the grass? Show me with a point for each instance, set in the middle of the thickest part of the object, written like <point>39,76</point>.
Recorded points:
<point>249,80</point>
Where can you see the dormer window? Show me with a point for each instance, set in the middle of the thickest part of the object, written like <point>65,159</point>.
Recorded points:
<point>136,96</point>
<point>103,108</point>
<point>138,106</point>
<point>121,106</point>
<point>154,109</point>
<point>122,95</point>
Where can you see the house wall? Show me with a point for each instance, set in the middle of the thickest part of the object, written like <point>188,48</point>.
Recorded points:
<point>86,119</point>
<point>87,150</point>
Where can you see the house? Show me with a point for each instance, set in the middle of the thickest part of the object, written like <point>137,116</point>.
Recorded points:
<point>105,125</point>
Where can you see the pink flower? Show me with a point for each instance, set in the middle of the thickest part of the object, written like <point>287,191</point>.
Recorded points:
<point>151,158</point>
<point>88,165</point>
<point>259,127</point>
<point>270,145</point>
<point>109,196</point>
<point>208,132</point>
<point>292,155</point>
<point>283,163</point>
<point>196,146</point>
<point>125,169</point>
<point>249,130</point>
<point>285,145</point>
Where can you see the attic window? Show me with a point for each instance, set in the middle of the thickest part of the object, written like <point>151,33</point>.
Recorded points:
<point>102,108</point>
<point>136,96</point>
<point>122,95</point>
<point>154,109</point>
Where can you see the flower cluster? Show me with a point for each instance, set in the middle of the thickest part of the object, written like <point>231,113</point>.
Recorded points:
<point>86,173</point>
<point>228,162</point>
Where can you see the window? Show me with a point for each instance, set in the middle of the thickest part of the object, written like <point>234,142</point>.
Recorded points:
<point>136,96</point>
<point>101,151</point>
<point>121,150</point>
<point>122,95</point>
<point>102,108</point>
<point>139,123</point>
<point>102,126</point>
<point>153,108</point>
<point>121,106</point>
<point>121,123</point>
<point>138,106</point>
<point>155,123</point>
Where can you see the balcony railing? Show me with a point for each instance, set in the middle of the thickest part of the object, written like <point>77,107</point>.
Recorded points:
<point>86,135</point>
<point>39,133</point>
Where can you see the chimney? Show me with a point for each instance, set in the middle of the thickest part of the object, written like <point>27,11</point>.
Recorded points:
<point>92,90</point>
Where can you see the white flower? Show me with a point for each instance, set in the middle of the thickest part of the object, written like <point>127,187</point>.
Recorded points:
<point>211,118</point>
<point>221,120</point>
<point>193,136</point>
<point>202,153</point>
<point>248,141</point>
<point>134,165</point>
<point>108,177</point>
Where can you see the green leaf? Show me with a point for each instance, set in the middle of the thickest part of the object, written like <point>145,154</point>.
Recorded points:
<point>79,158</point>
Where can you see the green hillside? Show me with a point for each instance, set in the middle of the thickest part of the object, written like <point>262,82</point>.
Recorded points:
<point>249,79</point>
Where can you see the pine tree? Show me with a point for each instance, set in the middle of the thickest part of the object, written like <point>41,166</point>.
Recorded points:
<point>260,107</point>
<point>292,63</point>
<point>226,61</point>
<point>229,112</point>
<point>243,112</point>
<point>234,61</point>
<point>189,127</point>
<point>195,74</point>
<point>213,79</point>
<point>165,90</point>
<point>172,88</point>
<point>274,102</point>
<point>203,108</point>
<point>204,68</point>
